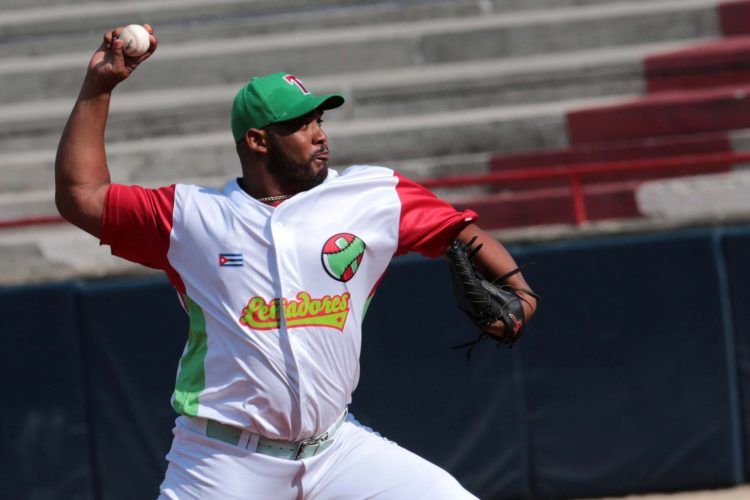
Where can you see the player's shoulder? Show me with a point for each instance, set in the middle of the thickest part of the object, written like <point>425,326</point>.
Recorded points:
<point>200,195</point>
<point>363,172</point>
<point>375,174</point>
<point>199,191</point>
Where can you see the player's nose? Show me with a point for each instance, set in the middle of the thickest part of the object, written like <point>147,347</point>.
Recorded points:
<point>320,137</point>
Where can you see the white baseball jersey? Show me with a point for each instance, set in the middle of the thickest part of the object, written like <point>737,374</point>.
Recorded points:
<point>276,295</point>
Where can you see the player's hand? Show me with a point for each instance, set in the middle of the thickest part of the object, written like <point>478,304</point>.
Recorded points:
<point>497,329</point>
<point>109,65</point>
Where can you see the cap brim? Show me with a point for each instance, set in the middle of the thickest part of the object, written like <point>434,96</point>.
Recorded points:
<point>322,102</point>
<point>331,101</point>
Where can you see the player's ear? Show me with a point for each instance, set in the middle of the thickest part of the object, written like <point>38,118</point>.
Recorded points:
<point>257,140</point>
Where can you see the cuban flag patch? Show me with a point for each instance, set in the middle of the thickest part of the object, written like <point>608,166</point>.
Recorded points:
<point>230,260</point>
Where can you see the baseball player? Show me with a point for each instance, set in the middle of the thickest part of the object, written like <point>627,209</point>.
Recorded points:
<point>275,272</point>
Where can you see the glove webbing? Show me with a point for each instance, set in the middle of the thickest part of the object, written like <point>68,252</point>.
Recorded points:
<point>482,335</point>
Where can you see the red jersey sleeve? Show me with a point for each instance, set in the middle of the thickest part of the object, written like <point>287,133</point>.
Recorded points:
<point>137,223</point>
<point>427,224</point>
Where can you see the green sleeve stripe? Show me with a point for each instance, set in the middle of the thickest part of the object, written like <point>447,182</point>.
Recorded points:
<point>367,306</point>
<point>191,376</point>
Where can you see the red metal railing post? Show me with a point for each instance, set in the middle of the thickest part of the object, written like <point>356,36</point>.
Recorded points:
<point>579,202</point>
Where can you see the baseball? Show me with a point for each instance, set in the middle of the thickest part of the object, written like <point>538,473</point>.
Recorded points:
<point>136,40</point>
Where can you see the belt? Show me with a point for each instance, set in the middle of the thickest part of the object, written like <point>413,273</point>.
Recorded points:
<point>290,450</point>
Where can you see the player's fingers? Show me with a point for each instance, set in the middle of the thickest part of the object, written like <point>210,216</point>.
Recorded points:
<point>112,35</point>
<point>497,328</point>
<point>153,42</point>
<point>118,53</point>
<point>108,37</point>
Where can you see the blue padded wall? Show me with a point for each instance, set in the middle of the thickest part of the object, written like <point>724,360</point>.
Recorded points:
<point>134,333</point>
<point>737,252</point>
<point>43,426</point>
<point>625,368</point>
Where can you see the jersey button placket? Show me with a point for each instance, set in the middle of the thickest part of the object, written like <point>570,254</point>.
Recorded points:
<point>278,233</point>
<point>285,258</point>
<point>282,242</point>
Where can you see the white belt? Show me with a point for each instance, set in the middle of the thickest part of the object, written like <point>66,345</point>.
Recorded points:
<point>290,450</point>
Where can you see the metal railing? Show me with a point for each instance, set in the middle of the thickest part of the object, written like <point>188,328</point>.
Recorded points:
<point>576,173</point>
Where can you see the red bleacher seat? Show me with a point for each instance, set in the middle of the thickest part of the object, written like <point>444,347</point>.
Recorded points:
<point>662,147</point>
<point>734,17</point>
<point>663,114</point>
<point>553,205</point>
<point>715,64</point>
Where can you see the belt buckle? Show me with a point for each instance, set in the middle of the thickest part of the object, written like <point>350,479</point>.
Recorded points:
<point>313,441</point>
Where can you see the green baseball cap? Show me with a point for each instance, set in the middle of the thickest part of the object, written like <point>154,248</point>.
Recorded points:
<point>275,98</point>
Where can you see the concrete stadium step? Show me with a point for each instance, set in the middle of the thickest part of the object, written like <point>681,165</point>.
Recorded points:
<point>97,15</point>
<point>16,5</point>
<point>34,10</point>
<point>30,25</point>
<point>712,64</point>
<point>370,94</point>
<point>501,81</point>
<point>553,205</point>
<point>38,31</point>
<point>505,129</point>
<point>362,48</point>
<point>15,206</point>
<point>663,114</point>
<point>56,252</point>
<point>720,196</point>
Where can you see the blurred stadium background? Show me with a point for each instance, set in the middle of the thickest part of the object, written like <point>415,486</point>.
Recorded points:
<point>606,140</point>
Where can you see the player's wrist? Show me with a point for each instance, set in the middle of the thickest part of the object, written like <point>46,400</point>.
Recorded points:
<point>95,89</point>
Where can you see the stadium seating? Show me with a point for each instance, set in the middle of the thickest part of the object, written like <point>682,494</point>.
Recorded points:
<point>694,102</point>
<point>434,87</point>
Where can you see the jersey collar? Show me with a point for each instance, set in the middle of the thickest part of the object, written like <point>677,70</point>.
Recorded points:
<point>238,195</point>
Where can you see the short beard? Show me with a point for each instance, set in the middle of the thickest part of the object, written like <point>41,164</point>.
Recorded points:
<point>299,176</point>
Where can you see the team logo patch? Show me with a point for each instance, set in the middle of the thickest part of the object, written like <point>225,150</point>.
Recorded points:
<point>293,80</point>
<point>342,255</point>
<point>304,310</point>
<point>230,260</point>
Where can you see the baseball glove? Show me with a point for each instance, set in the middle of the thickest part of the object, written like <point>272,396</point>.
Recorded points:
<point>483,301</point>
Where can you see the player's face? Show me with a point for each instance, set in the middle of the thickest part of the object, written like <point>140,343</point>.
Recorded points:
<point>298,152</point>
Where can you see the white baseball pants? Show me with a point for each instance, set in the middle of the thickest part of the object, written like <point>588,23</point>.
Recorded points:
<point>359,464</point>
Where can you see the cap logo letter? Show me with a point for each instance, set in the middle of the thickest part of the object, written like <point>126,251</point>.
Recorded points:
<point>293,80</point>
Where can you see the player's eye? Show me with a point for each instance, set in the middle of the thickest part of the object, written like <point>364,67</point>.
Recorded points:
<point>301,124</point>
<point>320,122</point>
